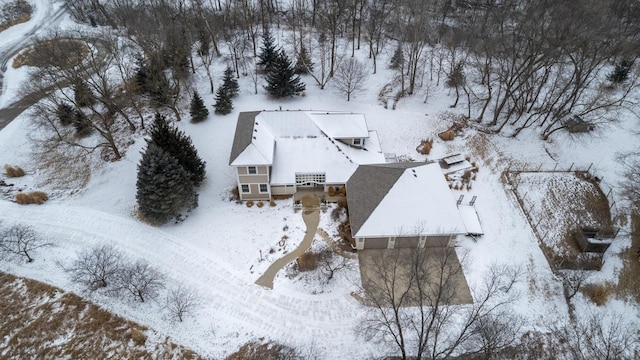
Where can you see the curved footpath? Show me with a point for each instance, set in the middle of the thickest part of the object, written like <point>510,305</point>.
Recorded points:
<point>311,218</point>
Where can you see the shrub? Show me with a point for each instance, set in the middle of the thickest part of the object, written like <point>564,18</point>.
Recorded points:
<point>307,262</point>
<point>250,203</point>
<point>260,204</point>
<point>331,191</point>
<point>342,191</point>
<point>447,135</point>
<point>235,194</point>
<point>36,197</point>
<point>425,146</point>
<point>597,293</point>
<point>272,203</point>
<point>13,171</point>
<point>466,176</point>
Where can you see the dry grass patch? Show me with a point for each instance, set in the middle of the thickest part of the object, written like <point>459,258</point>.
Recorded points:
<point>425,146</point>
<point>35,197</point>
<point>67,53</point>
<point>263,351</point>
<point>307,262</point>
<point>557,205</point>
<point>598,293</point>
<point>42,321</point>
<point>13,171</point>
<point>20,20</point>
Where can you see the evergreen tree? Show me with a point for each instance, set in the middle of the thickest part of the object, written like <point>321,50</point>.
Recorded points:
<point>304,64</point>
<point>82,124</point>
<point>621,72</point>
<point>223,104</point>
<point>65,114</point>
<point>163,185</point>
<point>178,145</point>
<point>282,80</point>
<point>230,83</point>
<point>268,52</point>
<point>82,94</point>
<point>397,60</point>
<point>198,111</point>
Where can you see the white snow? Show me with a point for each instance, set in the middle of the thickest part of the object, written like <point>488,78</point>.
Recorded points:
<point>221,247</point>
<point>419,203</point>
<point>470,219</point>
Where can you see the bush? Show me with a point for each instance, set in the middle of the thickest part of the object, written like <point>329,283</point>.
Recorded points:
<point>272,203</point>
<point>250,203</point>
<point>96,267</point>
<point>181,302</point>
<point>260,204</point>
<point>425,146</point>
<point>13,171</point>
<point>36,197</point>
<point>307,262</point>
<point>597,293</point>
<point>140,280</point>
<point>331,191</point>
<point>447,135</point>
<point>342,191</point>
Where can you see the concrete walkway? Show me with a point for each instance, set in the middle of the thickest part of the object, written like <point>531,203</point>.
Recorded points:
<point>311,218</point>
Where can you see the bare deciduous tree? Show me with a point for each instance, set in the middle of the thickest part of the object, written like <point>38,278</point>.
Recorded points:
<point>140,280</point>
<point>181,302</point>
<point>21,240</point>
<point>630,185</point>
<point>414,302</point>
<point>96,267</point>
<point>351,76</point>
<point>573,281</point>
<point>598,336</point>
<point>330,264</point>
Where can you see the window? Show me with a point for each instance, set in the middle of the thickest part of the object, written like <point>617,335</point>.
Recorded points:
<point>263,188</point>
<point>245,189</point>
<point>357,141</point>
<point>251,170</point>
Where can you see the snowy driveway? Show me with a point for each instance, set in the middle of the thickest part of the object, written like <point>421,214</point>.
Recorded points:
<point>230,298</point>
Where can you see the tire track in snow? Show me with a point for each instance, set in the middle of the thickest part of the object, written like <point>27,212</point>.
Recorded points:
<point>232,298</point>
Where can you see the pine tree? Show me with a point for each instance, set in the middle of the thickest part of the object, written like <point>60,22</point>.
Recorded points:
<point>268,52</point>
<point>621,72</point>
<point>282,80</point>
<point>82,124</point>
<point>198,111</point>
<point>163,185</point>
<point>304,64</point>
<point>82,94</point>
<point>397,60</point>
<point>65,114</point>
<point>230,83</point>
<point>223,104</point>
<point>179,145</point>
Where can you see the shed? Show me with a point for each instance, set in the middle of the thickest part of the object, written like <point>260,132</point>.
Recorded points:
<point>576,124</point>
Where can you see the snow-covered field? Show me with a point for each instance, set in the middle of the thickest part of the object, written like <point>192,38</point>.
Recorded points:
<point>221,248</point>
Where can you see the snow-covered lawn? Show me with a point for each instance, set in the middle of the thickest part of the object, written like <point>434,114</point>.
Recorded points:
<point>222,247</point>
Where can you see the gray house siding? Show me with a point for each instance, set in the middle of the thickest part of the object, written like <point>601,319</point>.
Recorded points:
<point>397,242</point>
<point>253,182</point>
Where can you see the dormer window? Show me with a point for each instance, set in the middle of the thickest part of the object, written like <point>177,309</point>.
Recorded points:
<point>251,170</point>
<point>357,141</point>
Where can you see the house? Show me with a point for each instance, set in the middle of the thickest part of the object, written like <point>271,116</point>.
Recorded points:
<point>281,152</point>
<point>402,205</point>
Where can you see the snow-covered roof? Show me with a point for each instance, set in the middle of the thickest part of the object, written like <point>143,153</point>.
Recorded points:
<point>341,125</point>
<point>404,199</point>
<point>293,142</point>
